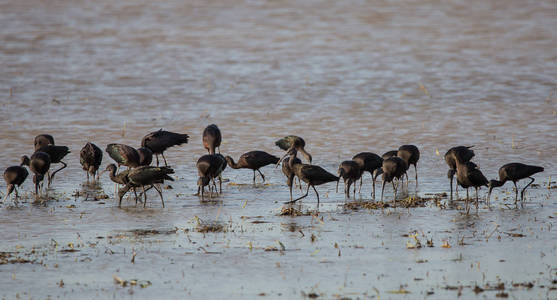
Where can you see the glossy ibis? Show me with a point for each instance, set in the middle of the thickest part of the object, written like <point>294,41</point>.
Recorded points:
<point>311,174</point>
<point>159,141</point>
<point>208,167</point>
<point>410,154</point>
<point>56,153</point>
<point>469,175</point>
<point>90,158</point>
<point>371,163</point>
<point>123,155</point>
<point>393,167</point>
<point>212,138</point>
<point>222,167</point>
<point>350,172</point>
<point>39,165</point>
<point>42,140</point>
<point>289,173</point>
<point>146,176</point>
<point>464,154</point>
<point>145,156</point>
<point>294,142</point>
<point>253,160</point>
<point>120,178</point>
<point>514,172</point>
<point>15,176</point>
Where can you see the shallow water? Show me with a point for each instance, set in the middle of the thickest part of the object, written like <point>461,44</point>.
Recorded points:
<point>348,76</point>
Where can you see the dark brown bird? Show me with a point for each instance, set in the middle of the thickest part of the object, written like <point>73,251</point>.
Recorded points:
<point>123,155</point>
<point>289,173</point>
<point>410,154</point>
<point>469,175</point>
<point>311,174</point>
<point>371,163</point>
<point>90,158</point>
<point>514,172</point>
<point>389,154</point>
<point>253,160</point>
<point>39,165</point>
<point>222,167</point>
<point>350,172</point>
<point>212,138</point>
<point>159,141</point>
<point>145,156</point>
<point>294,142</point>
<point>120,178</point>
<point>42,140</point>
<point>146,176</point>
<point>393,167</point>
<point>14,177</point>
<point>464,154</point>
<point>56,153</point>
<point>208,167</point>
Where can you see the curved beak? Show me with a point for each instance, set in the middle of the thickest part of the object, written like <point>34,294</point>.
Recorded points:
<point>281,159</point>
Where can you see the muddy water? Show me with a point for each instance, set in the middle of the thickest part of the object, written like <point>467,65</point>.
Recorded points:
<point>347,76</point>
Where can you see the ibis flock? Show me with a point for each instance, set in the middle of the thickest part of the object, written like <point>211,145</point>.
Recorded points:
<point>140,175</point>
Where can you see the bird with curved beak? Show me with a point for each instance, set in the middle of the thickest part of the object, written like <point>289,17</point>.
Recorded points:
<point>514,172</point>
<point>294,142</point>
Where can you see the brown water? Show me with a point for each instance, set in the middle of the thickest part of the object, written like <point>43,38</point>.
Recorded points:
<point>348,76</point>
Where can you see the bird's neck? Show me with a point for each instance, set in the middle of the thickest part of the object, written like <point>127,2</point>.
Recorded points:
<point>231,163</point>
<point>497,183</point>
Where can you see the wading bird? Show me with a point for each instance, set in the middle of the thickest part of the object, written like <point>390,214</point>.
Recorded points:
<point>159,141</point>
<point>39,165</point>
<point>410,154</point>
<point>56,153</point>
<point>253,160</point>
<point>208,167</point>
<point>464,154</point>
<point>514,172</point>
<point>371,163</point>
<point>289,173</point>
<point>294,142</point>
<point>469,175</point>
<point>42,140</point>
<point>212,138</point>
<point>90,158</point>
<point>393,167</point>
<point>350,172</point>
<point>311,174</point>
<point>14,177</point>
<point>146,176</point>
<point>123,155</point>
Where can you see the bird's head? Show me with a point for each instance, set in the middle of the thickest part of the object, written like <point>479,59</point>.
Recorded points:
<point>110,168</point>
<point>25,160</point>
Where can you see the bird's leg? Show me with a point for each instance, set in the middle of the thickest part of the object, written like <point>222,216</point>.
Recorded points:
<point>361,183</point>
<point>87,176</point>
<point>521,193</point>
<point>373,190</point>
<point>355,184</point>
<point>456,190</point>
<point>254,177</point>
<point>158,188</point>
<point>64,165</point>
<point>477,200</point>
<point>164,158</point>
<point>144,196</point>
<point>451,181</point>
<point>382,191</point>
<point>291,192</point>
<point>416,170</point>
<point>220,183</point>
<point>262,176</point>
<point>135,193</point>
<point>210,194</point>
<point>395,188</point>
<point>515,192</point>
<point>294,201</point>
<point>467,208</point>
<point>300,184</point>
<point>157,157</point>
<point>317,194</point>
<point>202,193</point>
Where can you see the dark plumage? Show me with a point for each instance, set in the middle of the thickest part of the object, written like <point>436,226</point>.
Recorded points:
<point>208,168</point>
<point>42,140</point>
<point>120,178</point>
<point>389,154</point>
<point>294,142</point>
<point>289,173</point>
<point>39,165</point>
<point>311,174</point>
<point>469,175</point>
<point>514,172</point>
<point>212,138</point>
<point>464,154</point>
<point>371,163</point>
<point>123,155</point>
<point>410,154</point>
<point>14,177</point>
<point>56,153</point>
<point>349,170</point>
<point>146,176</point>
<point>159,141</point>
<point>393,167</point>
<point>90,158</point>
<point>253,160</point>
<point>145,156</point>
